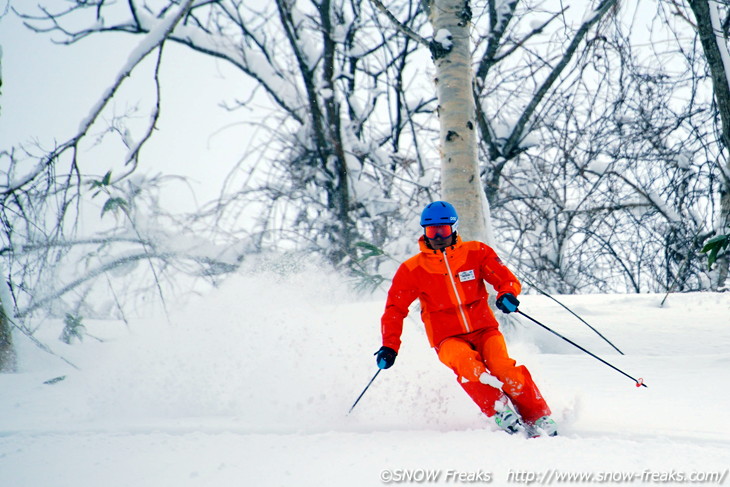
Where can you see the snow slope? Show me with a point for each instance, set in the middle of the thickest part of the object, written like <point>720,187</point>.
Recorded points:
<point>251,386</point>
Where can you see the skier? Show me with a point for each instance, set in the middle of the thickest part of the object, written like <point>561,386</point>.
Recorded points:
<point>447,276</point>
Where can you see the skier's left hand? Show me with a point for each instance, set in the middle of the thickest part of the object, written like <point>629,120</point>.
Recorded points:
<point>508,303</point>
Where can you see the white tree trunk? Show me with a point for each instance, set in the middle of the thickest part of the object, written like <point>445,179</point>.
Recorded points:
<point>460,181</point>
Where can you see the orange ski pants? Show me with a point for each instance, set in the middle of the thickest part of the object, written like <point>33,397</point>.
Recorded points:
<point>474,353</point>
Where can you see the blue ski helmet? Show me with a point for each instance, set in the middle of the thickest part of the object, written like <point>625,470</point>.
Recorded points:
<point>439,213</point>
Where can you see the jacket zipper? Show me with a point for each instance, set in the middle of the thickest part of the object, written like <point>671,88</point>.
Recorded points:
<point>456,293</point>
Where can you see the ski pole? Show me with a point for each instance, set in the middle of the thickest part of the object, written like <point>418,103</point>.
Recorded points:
<point>639,382</point>
<point>571,312</point>
<point>363,391</point>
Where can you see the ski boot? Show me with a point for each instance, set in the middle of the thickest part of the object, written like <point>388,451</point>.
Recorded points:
<point>508,421</point>
<point>545,426</point>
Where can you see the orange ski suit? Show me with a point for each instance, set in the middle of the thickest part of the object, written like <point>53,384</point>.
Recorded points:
<point>459,323</point>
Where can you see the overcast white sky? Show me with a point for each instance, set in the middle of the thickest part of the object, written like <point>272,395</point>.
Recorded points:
<point>48,89</point>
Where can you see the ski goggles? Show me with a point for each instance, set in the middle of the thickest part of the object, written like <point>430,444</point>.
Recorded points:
<point>441,231</point>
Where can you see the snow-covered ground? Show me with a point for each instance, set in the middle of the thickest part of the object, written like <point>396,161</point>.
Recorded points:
<point>251,385</point>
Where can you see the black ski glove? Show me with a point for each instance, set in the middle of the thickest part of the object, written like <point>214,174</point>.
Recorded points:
<point>508,303</point>
<point>385,357</point>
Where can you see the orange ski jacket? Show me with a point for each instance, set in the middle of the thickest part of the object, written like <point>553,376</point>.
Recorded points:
<point>450,287</point>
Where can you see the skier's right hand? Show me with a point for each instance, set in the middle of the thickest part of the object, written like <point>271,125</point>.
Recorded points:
<point>508,303</point>
<point>385,357</point>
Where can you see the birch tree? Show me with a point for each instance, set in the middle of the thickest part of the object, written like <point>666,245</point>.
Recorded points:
<point>452,56</point>
<point>463,119</point>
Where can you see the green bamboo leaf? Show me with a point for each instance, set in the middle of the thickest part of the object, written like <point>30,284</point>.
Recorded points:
<point>101,183</point>
<point>113,204</point>
<point>714,241</point>
<point>712,257</point>
<point>369,249</point>
<point>714,246</point>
